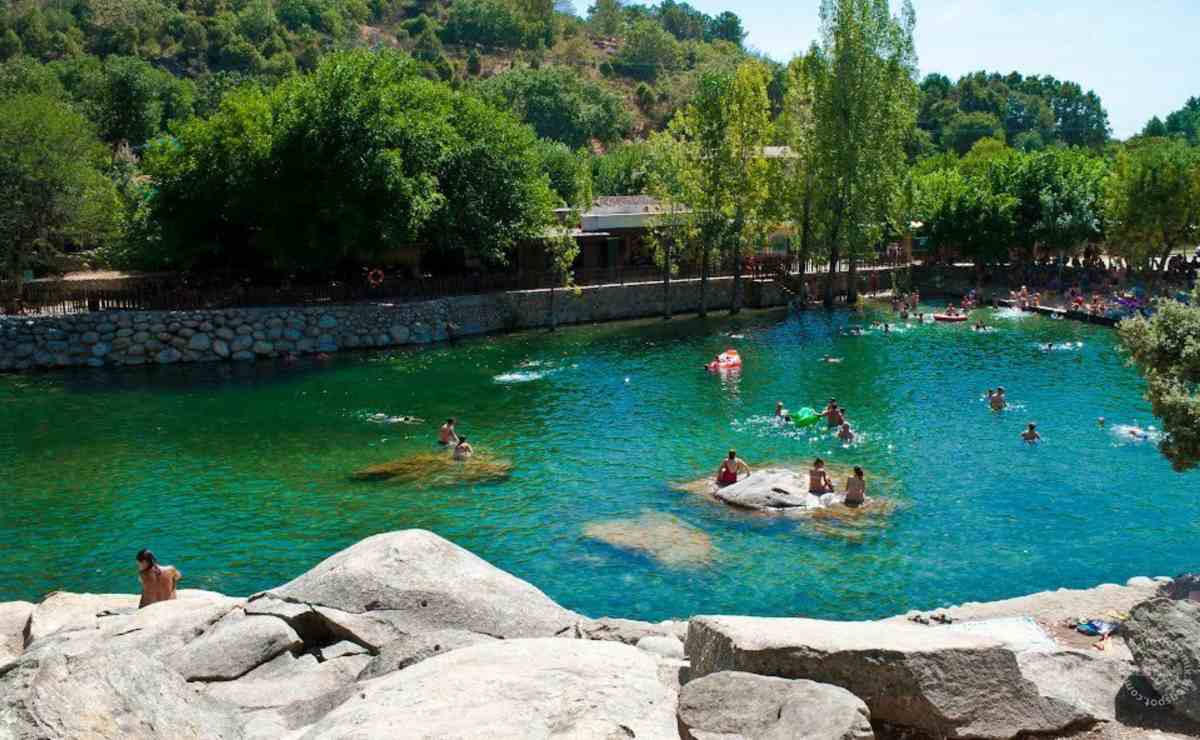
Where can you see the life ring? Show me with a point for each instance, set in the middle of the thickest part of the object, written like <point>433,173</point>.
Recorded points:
<point>727,360</point>
<point>375,277</point>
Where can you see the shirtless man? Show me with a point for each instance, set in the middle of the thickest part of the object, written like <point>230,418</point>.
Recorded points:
<point>1030,435</point>
<point>833,415</point>
<point>727,474</point>
<point>856,489</point>
<point>158,581</point>
<point>846,434</point>
<point>778,409</point>
<point>446,435</point>
<point>818,480</point>
<point>462,450</point>
<point>997,401</point>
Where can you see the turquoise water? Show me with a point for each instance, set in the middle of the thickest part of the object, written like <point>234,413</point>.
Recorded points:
<point>240,475</point>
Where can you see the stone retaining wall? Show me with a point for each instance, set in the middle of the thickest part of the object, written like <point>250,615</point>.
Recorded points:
<point>112,338</point>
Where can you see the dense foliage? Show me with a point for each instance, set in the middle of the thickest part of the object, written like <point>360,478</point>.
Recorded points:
<point>560,105</point>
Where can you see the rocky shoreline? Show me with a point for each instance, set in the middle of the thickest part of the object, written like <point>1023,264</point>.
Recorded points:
<point>408,635</point>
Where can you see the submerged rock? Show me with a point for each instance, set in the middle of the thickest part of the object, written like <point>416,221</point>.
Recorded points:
<point>514,688</point>
<point>433,469</point>
<point>1164,636</point>
<point>943,683</point>
<point>661,536</point>
<point>734,706</point>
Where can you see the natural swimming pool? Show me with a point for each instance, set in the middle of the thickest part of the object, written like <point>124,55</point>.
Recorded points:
<point>240,474</point>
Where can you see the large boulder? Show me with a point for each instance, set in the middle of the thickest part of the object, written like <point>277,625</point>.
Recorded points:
<point>1183,586</point>
<point>408,651</point>
<point>774,491</point>
<point>234,646</point>
<point>418,582</point>
<point>942,682</point>
<point>65,612</point>
<point>14,616</point>
<point>1164,636</point>
<point>537,688</point>
<point>742,706</point>
<point>106,695</point>
<point>1089,680</point>
<point>287,680</point>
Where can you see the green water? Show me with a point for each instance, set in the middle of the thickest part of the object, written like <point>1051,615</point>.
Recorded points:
<point>240,474</point>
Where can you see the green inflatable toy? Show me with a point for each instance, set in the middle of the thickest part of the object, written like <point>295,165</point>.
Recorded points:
<point>805,417</point>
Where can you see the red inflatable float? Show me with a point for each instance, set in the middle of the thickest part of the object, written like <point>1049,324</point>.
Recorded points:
<point>727,360</point>
<point>951,318</point>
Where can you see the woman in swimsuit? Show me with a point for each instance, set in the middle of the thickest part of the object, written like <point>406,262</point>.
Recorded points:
<point>818,479</point>
<point>856,489</point>
<point>727,474</point>
<point>446,435</point>
<point>462,450</point>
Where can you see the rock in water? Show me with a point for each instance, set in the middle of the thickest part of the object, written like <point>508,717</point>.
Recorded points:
<point>944,683</point>
<point>419,582</point>
<point>731,705</point>
<point>772,490</point>
<point>661,536</point>
<point>108,696</point>
<point>514,688</point>
<point>1164,637</point>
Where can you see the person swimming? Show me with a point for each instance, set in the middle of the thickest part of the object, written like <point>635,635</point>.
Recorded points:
<point>831,359</point>
<point>727,473</point>
<point>856,489</point>
<point>846,434</point>
<point>779,410</point>
<point>997,401</point>
<point>462,450</point>
<point>1030,435</point>
<point>818,479</point>
<point>446,435</point>
<point>1101,422</point>
<point>834,416</point>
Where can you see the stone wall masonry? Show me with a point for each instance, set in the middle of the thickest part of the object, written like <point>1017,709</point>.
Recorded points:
<point>118,338</point>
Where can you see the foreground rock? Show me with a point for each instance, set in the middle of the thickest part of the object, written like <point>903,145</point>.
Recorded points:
<point>735,706</point>
<point>14,616</point>
<point>412,582</point>
<point>943,683</point>
<point>233,647</point>
<point>1183,586</point>
<point>408,651</point>
<point>1164,636</point>
<point>514,688</point>
<point>106,695</point>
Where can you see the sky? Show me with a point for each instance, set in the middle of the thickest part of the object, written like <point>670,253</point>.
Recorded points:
<point>1142,57</point>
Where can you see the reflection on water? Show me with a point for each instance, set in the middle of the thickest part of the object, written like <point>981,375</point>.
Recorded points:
<point>242,474</point>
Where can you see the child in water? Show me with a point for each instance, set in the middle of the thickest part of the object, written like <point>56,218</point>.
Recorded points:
<point>1030,435</point>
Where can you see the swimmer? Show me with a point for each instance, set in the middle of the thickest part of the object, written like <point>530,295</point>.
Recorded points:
<point>818,479</point>
<point>887,328</point>
<point>856,489</point>
<point>462,450</point>
<point>158,581</point>
<point>446,435</point>
<point>1100,421</point>
<point>833,415</point>
<point>779,409</point>
<point>846,434</point>
<point>1030,435</point>
<point>727,474</point>
<point>997,400</point>
<point>831,359</point>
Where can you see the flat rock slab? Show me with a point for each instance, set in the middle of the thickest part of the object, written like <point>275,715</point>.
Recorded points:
<point>943,683</point>
<point>663,537</point>
<point>64,612</point>
<point>742,706</point>
<point>233,647</point>
<point>109,696</point>
<point>425,582</point>
<point>539,688</point>
<point>408,651</point>
<point>14,616</point>
<point>274,685</point>
<point>1164,636</point>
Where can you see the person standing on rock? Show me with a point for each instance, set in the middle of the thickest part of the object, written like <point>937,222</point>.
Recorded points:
<point>446,435</point>
<point>158,581</point>
<point>727,474</point>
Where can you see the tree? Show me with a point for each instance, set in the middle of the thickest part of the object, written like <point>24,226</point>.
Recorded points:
<point>607,17</point>
<point>968,214</point>
<point>1155,128</point>
<point>961,133</point>
<point>865,102</point>
<point>492,23</point>
<point>560,105</point>
<point>1058,196</point>
<point>1164,350</point>
<point>796,184</point>
<point>1153,200</point>
<point>1185,122</point>
<point>674,233</point>
<point>648,51</point>
<point>53,186</point>
<point>727,27</point>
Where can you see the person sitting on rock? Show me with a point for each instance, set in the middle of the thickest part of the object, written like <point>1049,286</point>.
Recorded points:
<point>856,489</point>
<point>158,581</point>
<point>727,474</point>
<point>446,435</point>
<point>819,481</point>
<point>462,450</point>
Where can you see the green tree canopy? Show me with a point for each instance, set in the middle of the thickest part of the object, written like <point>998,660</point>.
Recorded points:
<point>962,131</point>
<point>560,105</point>
<point>1153,200</point>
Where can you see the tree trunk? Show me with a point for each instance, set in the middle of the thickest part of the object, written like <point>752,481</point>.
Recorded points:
<point>834,256</point>
<point>704,282</point>
<point>735,305</point>
<point>852,281</point>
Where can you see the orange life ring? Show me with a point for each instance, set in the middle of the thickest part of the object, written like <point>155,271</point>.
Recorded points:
<point>375,277</point>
